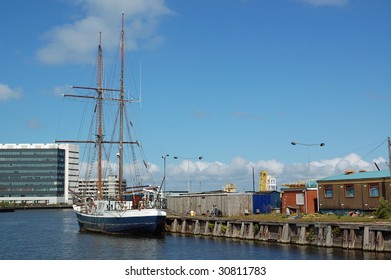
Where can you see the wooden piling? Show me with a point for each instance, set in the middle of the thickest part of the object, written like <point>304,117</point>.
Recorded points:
<point>350,236</point>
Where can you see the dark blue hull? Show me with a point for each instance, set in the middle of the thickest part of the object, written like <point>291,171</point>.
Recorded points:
<point>122,225</point>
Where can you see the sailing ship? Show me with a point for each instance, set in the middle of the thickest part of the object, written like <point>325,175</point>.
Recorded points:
<point>135,210</point>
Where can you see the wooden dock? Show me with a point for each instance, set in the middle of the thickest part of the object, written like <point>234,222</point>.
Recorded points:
<point>374,236</point>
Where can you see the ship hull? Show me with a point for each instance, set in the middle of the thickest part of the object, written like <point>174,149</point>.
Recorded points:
<point>146,221</point>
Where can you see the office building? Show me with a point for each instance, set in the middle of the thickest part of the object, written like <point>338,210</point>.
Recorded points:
<point>38,173</point>
<point>110,187</point>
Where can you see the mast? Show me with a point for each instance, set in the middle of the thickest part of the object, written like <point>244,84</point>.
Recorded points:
<point>100,116</point>
<point>121,111</point>
<point>99,97</point>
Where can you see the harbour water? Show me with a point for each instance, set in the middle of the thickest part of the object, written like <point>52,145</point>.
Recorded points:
<point>53,234</point>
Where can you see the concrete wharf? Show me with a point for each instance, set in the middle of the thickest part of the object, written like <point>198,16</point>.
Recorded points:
<point>374,236</point>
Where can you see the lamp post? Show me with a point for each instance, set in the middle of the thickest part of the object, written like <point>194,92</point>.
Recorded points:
<point>308,155</point>
<point>308,160</point>
<point>164,168</point>
<point>188,169</point>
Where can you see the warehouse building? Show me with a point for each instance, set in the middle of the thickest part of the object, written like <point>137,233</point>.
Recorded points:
<point>224,204</point>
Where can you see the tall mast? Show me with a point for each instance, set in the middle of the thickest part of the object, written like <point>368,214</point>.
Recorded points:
<point>100,116</point>
<point>121,110</point>
<point>100,98</point>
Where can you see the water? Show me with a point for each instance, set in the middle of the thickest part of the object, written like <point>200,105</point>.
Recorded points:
<point>54,235</point>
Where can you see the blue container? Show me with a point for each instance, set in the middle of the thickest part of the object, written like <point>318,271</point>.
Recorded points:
<point>266,202</point>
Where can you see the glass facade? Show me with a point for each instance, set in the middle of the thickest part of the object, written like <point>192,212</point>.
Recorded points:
<point>32,172</point>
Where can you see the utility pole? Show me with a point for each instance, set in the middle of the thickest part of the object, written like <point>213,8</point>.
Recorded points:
<point>389,160</point>
<point>389,154</point>
<point>253,181</point>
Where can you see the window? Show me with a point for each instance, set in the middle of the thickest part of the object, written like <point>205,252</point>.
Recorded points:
<point>328,192</point>
<point>349,191</point>
<point>373,190</point>
<point>300,199</point>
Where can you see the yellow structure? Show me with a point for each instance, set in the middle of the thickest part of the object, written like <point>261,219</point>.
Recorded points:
<point>262,181</point>
<point>230,188</point>
<point>266,182</point>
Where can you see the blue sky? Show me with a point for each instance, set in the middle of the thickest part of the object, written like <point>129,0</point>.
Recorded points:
<point>233,81</point>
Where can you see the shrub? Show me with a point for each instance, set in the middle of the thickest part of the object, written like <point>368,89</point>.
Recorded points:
<point>384,210</point>
<point>257,228</point>
<point>223,229</point>
<point>336,231</point>
<point>311,235</point>
<point>5,204</point>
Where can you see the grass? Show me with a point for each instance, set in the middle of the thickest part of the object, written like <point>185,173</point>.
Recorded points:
<point>332,218</point>
<point>274,217</point>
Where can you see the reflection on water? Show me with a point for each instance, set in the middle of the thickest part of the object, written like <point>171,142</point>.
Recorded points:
<point>54,235</point>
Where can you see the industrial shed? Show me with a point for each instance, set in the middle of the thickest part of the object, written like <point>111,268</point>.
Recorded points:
<point>225,204</point>
<point>353,191</point>
<point>266,202</point>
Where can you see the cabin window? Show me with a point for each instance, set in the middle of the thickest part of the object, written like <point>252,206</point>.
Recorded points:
<point>349,191</point>
<point>374,190</point>
<point>328,192</point>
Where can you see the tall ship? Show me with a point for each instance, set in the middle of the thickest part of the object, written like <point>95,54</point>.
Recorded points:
<point>139,209</point>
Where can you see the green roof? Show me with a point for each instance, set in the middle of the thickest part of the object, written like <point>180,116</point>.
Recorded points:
<point>358,176</point>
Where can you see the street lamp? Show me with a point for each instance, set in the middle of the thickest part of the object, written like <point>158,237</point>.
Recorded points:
<point>308,155</point>
<point>188,169</point>
<point>164,168</point>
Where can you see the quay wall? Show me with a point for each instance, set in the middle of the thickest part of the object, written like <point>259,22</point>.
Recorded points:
<point>352,236</point>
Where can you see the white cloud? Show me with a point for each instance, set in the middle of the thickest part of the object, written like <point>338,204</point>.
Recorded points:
<point>214,175</point>
<point>90,171</point>
<point>381,163</point>
<point>271,166</point>
<point>319,3</point>
<point>76,42</point>
<point>206,176</point>
<point>7,93</point>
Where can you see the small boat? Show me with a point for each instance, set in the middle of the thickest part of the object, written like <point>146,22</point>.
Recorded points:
<point>138,209</point>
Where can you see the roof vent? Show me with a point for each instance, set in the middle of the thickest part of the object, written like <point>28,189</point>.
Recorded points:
<point>347,172</point>
<point>362,170</point>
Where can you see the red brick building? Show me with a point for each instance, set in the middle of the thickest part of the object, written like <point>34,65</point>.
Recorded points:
<point>299,199</point>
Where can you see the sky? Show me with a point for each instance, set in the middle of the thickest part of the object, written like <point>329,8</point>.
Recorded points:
<point>233,81</point>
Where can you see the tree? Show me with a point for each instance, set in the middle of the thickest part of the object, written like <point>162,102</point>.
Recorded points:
<point>384,210</point>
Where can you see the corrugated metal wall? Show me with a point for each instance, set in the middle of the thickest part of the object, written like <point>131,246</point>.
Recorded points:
<point>229,204</point>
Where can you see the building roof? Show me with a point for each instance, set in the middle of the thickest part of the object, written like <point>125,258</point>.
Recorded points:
<point>312,184</point>
<point>295,189</point>
<point>358,176</point>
